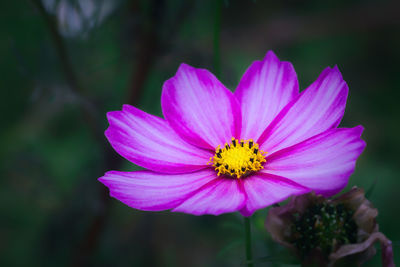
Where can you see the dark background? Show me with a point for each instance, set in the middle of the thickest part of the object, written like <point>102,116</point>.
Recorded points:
<point>64,64</point>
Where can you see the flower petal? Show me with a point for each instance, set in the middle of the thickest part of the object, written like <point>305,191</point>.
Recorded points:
<point>358,248</point>
<point>149,141</point>
<point>319,108</point>
<point>265,88</point>
<point>263,190</point>
<point>322,163</point>
<point>220,196</point>
<point>200,108</point>
<point>146,190</point>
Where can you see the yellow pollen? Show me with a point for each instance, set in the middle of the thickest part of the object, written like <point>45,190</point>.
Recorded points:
<point>238,159</point>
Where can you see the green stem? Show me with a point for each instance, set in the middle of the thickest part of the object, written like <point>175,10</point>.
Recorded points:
<point>217,29</point>
<point>247,230</point>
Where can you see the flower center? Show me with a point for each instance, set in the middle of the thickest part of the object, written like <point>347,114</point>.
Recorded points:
<point>238,159</point>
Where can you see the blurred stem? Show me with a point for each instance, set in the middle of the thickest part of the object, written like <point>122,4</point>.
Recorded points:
<point>86,247</point>
<point>148,47</point>
<point>71,78</point>
<point>247,230</point>
<point>217,29</point>
<point>59,45</point>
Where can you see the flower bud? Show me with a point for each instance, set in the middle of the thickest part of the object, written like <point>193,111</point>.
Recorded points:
<point>329,232</point>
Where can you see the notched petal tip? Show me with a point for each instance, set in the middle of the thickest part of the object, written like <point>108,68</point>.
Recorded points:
<point>359,129</point>
<point>184,66</point>
<point>129,108</point>
<point>108,176</point>
<point>333,73</point>
<point>336,68</point>
<point>102,180</point>
<point>271,55</point>
<point>112,114</point>
<point>107,181</point>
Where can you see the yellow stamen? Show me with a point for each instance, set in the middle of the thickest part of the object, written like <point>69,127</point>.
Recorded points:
<point>238,159</point>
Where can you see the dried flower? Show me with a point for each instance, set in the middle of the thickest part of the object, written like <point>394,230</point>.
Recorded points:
<point>218,151</point>
<point>327,232</point>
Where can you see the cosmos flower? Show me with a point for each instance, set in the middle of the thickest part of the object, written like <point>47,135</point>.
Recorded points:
<point>217,151</point>
<point>330,232</point>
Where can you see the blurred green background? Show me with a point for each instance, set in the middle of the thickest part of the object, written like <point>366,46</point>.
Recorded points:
<point>65,63</point>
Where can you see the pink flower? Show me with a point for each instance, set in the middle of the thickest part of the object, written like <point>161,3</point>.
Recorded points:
<point>217,151</point>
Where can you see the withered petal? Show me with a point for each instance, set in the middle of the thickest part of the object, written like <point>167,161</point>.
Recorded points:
<point>386,244</point>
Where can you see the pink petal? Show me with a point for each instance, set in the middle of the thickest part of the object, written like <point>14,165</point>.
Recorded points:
<point>263,190</point>
<point>322,163</point>
<point>146,190</point>
<point>149,141</point>
<point>319,108</point>
<point>265,88</point>
<point>220,196</point>
<point>200,108</point>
